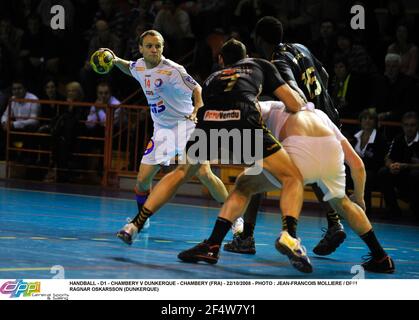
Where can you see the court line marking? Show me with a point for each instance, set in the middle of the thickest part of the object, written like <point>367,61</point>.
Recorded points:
<point>173,204</point>
<point>24,269</point>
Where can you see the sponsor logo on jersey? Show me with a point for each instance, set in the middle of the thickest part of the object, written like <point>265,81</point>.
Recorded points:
<point>140,68</point>
<point>147,83</point>
<point>190,80</point>
<point>215,115</point>
<point>149,93</point>
<point>150,147</point>
<point>165,72</point>
<point>157,107</point>
<point>158,83</point>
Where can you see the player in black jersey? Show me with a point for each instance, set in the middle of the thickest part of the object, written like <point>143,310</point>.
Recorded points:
<point>306,75</point>
<point>231,103</point>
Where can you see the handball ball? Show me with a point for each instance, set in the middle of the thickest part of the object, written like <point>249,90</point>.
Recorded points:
<point>101,61</point>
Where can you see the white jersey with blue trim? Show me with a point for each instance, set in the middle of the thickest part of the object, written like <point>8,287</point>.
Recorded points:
<point>168,88</point>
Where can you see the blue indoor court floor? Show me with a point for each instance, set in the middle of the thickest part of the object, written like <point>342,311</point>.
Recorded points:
<point>40,229</point>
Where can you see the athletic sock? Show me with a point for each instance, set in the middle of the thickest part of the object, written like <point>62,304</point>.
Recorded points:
<point>141,217</point>
<point>221,228</point>
<point>290,224</point>
<point>332,219</point>
<point>141,197</point>
<point>248,229</point>
<point>375,247</point>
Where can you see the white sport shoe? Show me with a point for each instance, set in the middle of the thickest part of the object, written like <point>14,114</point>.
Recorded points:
<point>146,224</point>
<point>237,226</point>
<point>293,249</point>
<point>128,233</point>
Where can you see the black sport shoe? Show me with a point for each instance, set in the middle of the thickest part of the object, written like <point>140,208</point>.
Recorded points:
<point>239,245</point>
<point>384,265</point>
<point>332,239</point>
<point>201,252</point>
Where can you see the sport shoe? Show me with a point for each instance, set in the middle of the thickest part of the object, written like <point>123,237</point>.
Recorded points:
<point>239,245</point>
<point>293,249</point>
<point>384,265</point>
<point>201,252</point>
<point>128,233</point>
<point>332,239</point>
<point>146,224</point>
<point>237,226</point>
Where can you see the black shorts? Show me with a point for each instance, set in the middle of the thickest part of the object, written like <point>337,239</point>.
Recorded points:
<point>238,131</point>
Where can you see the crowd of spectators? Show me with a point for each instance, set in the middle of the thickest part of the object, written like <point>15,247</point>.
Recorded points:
<point>373,73</point>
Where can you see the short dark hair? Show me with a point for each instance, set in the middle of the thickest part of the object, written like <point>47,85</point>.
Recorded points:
<point>233,51</point>
<point>370,113</point>
<point>153,33</point>
<point>410,115</point>
<point>270,30</point>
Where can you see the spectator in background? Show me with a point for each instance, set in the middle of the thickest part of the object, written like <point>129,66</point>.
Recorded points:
<point>359,60</point>
<point>51,110</point>
<point>325,47</point>
<point>348,90</point>
<point>103,38</point>
<point>10,39</point>
<point>396,14</point>
<point>407,51</point>
<point>174,24</point>
<point>39,53</point>
<point>371,146</point>
<point>109,12</point>
<point>401,169</point>
<point>96,118</point>
<point>395,93</point>
<point>64,131</point>
<point>131,51</point>
<point>23,115</point>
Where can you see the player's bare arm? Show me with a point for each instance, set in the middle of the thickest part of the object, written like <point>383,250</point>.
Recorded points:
<point>289,97</point>
<point>358,173</point>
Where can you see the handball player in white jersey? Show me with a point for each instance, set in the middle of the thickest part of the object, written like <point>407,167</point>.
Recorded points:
<point>169,90</point>
<point>319,150</point>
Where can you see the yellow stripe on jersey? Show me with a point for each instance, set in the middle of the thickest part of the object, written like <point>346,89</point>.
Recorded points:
<point>166,72</point>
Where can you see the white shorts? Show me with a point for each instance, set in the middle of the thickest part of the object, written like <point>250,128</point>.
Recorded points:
<point>320,160</point>
<point>166,143</point>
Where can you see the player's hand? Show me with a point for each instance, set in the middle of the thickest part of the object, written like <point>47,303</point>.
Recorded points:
<point>192,117</point>
<point>107,49</point>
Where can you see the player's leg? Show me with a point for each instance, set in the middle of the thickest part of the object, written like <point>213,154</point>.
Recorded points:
<point>167,187</point>
<point>142,188</point>
<point>334,235</point>
<point>236,203</point>
<point>283,169</point>
<point>217,190</point>
<point>358,221</point>
<point>244,242</point>
<point>214,184</point>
